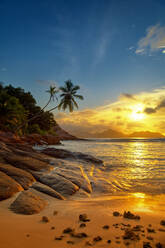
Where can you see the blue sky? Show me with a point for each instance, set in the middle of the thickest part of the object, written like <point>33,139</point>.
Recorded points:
<point>108,47</point>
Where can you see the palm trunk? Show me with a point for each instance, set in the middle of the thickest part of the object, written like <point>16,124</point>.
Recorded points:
<point>32,118</point>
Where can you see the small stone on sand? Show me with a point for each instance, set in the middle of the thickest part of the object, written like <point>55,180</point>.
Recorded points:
<point>96,239</point>
<point>70,242</point>
<point>45,219</point>
<point>146,245</point>
<point>106,227</point>
<point>162,222</point>
<point>159,245</point>
<point>109,241</point>
<point>88,243</point>
<point>83,217</point>
<point>150,230</point>
<point>130,215</point>
<point>82,225</point>
<point>68,230</point>
<point>116,213</point>
<point>55,212</point>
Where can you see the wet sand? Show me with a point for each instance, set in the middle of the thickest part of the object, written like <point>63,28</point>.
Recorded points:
<point>21,231</point>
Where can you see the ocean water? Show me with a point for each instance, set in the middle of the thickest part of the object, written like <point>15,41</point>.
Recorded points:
<point>130,165</point>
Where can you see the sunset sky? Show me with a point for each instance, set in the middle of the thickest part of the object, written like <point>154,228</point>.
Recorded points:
<point>113,49</point>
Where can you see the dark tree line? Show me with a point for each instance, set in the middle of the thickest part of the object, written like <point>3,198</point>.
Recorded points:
<point>20,113</point>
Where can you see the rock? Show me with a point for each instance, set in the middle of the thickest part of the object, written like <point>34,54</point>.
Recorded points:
<point>68,230</point>
<point>88,243</point>
<point>51,139</point>
<point>146,245</point>
<point>8,186</point>
<point>82,225</point>
<point>45,219</point>
<point>70,242</point>
<point>130,215</point>
<point>129,234</point>
<point>28,163</point>
<point>4,147</point>
<point>83,217</point>
<point>109,241</point>
<point>106,227</point>
<point>162,222</point>
<point>55,212</point>
<point>159,245</point>
<point>79,235</point>
<point>47,190</point>
<point>116,213</point>
<point>28,203</point>
<point>59,183</point>
<point>61,153</point>
<point>75,177</point>
<point>24,178</point>
<point>59,238</point>
<point>151,230</point>
<point>96,239</point>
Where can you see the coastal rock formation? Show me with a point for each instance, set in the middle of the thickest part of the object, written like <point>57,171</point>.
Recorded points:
<point>28,203</point>
<point>24,178</point>
<point>75,177</point>
<point>55,172</point>
<point>26,163</point>
<point>61,153</point>
<point>59,183</point>
<point>47,190</point>
<point>8,186</point>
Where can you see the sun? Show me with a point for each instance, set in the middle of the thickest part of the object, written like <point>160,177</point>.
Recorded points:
<point>137,112</point>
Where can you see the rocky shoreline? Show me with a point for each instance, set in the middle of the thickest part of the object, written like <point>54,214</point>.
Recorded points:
<point>23,168</point>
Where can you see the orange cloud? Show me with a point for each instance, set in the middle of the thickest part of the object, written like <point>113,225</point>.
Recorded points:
<point>128,114</point>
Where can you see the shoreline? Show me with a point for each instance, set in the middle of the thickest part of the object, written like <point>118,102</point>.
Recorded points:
<point>19,231</point>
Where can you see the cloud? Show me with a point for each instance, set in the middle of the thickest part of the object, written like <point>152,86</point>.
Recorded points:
<point>118,115</point>
<point>127,96</point>
<point>154,110</point>
<point>154,40</point>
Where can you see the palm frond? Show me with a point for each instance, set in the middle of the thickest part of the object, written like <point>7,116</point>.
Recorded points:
<point>79,97</point>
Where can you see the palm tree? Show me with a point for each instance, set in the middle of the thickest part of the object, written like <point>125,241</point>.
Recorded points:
<point>52,92</point>
<point>69,93</point>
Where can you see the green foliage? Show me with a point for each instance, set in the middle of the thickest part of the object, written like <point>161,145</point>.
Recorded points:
<point>12,113</point>
<point>19,112</point>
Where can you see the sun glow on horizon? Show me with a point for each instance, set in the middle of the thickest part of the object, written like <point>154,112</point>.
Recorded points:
<point>137,112</point>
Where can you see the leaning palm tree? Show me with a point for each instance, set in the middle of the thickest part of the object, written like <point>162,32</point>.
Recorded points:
<point>68,96</point>
<point>52,95</point>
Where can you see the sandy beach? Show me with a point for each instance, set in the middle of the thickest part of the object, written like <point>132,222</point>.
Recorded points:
<point>19,231</point>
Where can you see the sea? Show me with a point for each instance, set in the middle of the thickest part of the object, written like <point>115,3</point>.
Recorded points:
<point>130,165</point>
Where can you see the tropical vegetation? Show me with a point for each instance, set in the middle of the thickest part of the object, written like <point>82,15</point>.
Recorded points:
<point>20,113</point>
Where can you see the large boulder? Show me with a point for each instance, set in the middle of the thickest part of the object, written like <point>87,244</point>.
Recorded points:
<point>75,177</point>
<point>24,178</point>
<point>59,183</point>
<point>8,186</point>
<point>28,163</point>
<point>28,203</point>
<point>47,190</point>
<point>62,153</point>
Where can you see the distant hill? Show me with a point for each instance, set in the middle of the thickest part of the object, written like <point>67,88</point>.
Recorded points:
<point>110,133</point>
<point>146,134</point>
